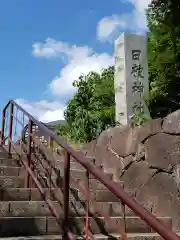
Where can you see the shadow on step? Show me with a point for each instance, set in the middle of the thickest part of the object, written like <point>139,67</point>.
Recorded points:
<point>95,226</point>
<point>13,227</point>
<point>17,226</point>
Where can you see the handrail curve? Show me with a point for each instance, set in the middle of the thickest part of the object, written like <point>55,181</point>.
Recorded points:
<point>112,186</point>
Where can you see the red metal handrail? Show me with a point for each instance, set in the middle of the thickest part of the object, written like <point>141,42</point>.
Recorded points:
<point>118,191</point>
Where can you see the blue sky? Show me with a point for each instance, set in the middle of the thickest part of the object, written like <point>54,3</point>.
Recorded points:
<point>45,45</point>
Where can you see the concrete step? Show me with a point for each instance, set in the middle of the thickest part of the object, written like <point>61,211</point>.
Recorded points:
<point>3,154</point>
<point>130,236</point>
<point>9,162</point>
<point>11,181</point>
<point>27,209</point>
<point>74,174</point>
<point>26,194</point>
<point>73,162</point>
<point>78,208</point>
<point>73,165</point>
<point>59,159</point>
<point>40,208</point>
<point>19,181</point>
<point>29,226</point>
<point>9,170</point>
<point>10,167</point>
<point>95,184</point>
<point>100,196</point>
<point>81,174</point>
<point>43,237</point>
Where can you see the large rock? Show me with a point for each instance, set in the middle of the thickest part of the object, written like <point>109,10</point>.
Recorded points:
<point>160,195</point>
<point>89,148</point>
<point>163,151</point>
<point>171,123</point>
<point>136,176</point>
<point>101,152</point>
<point>124,140</point>
<point>147,160</point>
<point>117,165</point>
<point>123,143</point>
<point>149,128</point>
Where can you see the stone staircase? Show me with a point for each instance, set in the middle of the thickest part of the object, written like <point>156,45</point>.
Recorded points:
<point>24,214</point>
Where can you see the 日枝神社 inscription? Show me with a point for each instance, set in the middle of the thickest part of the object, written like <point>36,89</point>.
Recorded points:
<point>138,87</point>
<point>131,76</point>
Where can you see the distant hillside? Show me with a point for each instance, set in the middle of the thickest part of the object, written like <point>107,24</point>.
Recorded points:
<point>55,123</point>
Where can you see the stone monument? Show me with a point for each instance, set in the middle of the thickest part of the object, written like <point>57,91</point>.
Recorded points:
<point>131,76</point>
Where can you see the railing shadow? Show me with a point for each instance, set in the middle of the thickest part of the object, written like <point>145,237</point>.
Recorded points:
<point>73,211</point>
<point>12,226</point>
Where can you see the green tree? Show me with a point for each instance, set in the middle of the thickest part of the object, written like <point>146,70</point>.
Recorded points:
<point>163,45</point>
<point>91,109</point>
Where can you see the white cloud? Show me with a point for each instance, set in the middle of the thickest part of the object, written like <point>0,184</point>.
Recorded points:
<point>50,48</point>
<point>110,27</point>
<point>83,64</point>
<point>44,111</point>
<point>107,25</point>
<point>140,5</point>
<point>81,60</point>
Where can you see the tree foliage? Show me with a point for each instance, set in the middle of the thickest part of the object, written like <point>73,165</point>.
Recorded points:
<point>91,109</point>
<point>164,62</point>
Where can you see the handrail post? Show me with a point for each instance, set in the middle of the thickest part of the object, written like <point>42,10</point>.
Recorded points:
<point>3,126</point>
<point>10,129</point>
<point>86,230</point>
<point>66,182</point>
<point>30,125</point>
